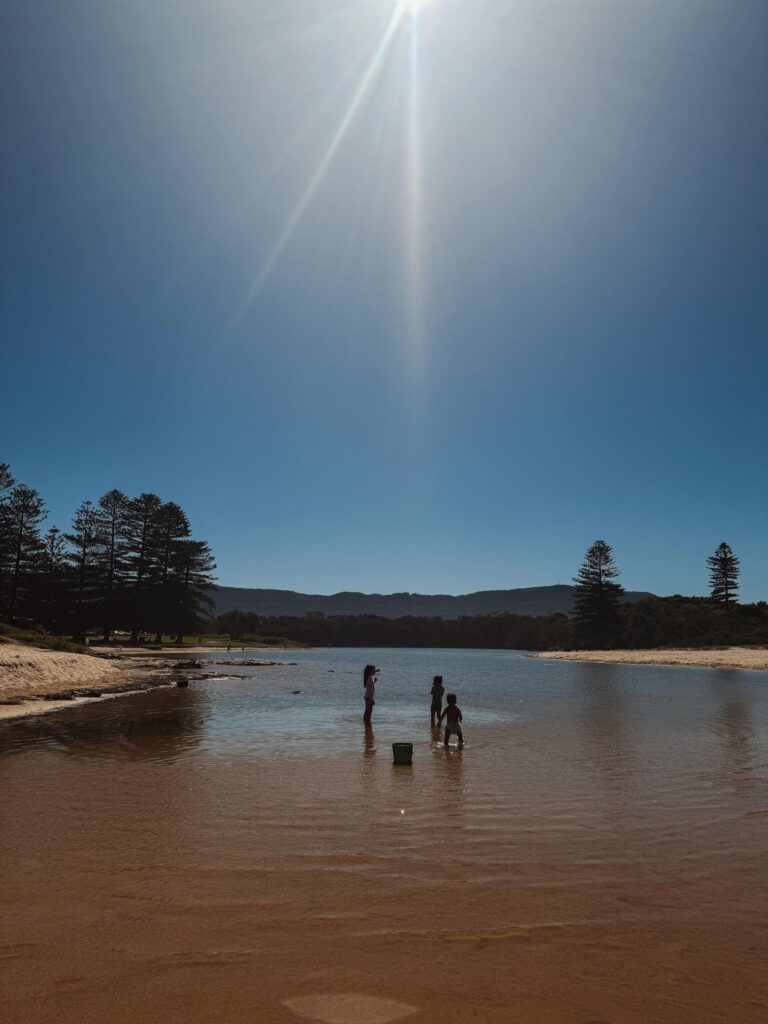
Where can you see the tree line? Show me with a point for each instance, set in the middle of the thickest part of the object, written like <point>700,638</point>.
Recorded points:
<point>598,619</point>
<point>601,619</point>
<point>655,622</point>
<point>126,564</point>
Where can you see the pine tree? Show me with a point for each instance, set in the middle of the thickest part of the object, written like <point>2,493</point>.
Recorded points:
<point>173,528</point>
<point>85,540</point>
<point>6,541</point>
<point>192,577</point>
<point>724,575</point>
<point>142,532</point>
<point>23,512</point>
<point>52,590</point>
<point>596,597</point>
<point>111,559</point>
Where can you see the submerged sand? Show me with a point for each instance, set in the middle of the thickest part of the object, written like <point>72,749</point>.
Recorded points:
<point>720,657</point>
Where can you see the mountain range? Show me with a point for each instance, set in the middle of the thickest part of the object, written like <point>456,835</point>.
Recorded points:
<point>521,601</point>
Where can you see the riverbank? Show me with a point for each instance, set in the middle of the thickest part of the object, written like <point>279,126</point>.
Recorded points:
<point>180,653</point>
<point>755,658</point>
<point>30,677</point>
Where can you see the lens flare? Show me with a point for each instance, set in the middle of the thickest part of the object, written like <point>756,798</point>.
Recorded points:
<point>413,6</point>
<point>414,322</point>
<point>363,88</point>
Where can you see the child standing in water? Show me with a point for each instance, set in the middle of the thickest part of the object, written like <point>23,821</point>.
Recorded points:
<point>437,699</point>
<point>453,719</point>
<point>369,692</point>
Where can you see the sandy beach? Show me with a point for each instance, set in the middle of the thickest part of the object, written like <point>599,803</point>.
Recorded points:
<point>32,678</point>
<point>719,657</point>
<point>30,674</point>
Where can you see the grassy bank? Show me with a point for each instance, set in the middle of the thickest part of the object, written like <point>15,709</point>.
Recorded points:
<point>30,637</point>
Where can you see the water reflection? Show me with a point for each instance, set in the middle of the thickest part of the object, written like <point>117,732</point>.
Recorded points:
<point>453,784</point>
<point>608,744</point>
<point>369,743</point>
<point>157,725</point>
<point>735,728</point>
<point>368,767</point>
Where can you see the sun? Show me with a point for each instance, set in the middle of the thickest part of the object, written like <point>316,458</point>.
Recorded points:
<point>413,6</point>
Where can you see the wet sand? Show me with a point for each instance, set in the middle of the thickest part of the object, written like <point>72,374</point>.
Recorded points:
<point>228,854</point>
<point>712,657</point>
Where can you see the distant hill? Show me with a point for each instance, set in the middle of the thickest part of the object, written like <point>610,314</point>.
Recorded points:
<point>523,601</point>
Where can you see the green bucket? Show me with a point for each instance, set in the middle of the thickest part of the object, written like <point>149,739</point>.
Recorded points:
<point>402,753</point>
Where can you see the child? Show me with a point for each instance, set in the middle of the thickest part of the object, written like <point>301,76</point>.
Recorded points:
<point>437,692</point>
<point>369,692</point>
<point>453,719</point>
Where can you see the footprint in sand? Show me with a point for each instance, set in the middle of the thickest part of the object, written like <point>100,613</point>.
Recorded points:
<point>349,1008</point>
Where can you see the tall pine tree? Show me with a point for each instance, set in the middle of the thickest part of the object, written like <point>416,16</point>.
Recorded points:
<point>52,588</point>
<point>143,557</point>
<point>724,575</point>
<point>23,512</point>
<point>85,540</point>
<point>112,567</point>
<point>191,579</point>
<point>596,598</point>
<point>173,528</point>
<point>6,544</point>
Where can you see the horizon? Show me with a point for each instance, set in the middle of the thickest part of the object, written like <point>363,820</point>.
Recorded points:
<point>413,593</point>
<point>424,301</point>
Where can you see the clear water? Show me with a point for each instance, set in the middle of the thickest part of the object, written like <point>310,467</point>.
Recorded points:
<point>597,852</point>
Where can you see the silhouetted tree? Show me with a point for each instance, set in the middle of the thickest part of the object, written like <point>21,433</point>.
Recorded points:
<point>191,579</point>
<point>23,512</point>
<point>112,558</point>
<point>51,603</point>
<point>85,540</point>
<point>128,563</point>
<point>723,575</point>
<point>596,598</point>
<point>6,545</point>
<point>142,558</point>
<point>173,529</point>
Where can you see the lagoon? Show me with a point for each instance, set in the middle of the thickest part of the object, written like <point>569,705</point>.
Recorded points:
<point>238,851</point>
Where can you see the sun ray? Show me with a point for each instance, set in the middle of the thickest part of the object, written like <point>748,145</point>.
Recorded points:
<point>315,181</point>
<point>414,214</point>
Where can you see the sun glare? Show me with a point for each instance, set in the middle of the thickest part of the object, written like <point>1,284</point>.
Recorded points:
<point>413,6</point>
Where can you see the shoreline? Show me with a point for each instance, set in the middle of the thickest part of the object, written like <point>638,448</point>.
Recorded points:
<point>103,650</point>
<point>740,658</point>
<point>35,680</point>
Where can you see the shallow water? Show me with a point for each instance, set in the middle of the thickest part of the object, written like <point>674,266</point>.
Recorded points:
<point>240,852</point>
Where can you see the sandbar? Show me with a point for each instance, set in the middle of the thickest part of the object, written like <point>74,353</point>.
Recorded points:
<point>755,658</point>
<point>34,675</point>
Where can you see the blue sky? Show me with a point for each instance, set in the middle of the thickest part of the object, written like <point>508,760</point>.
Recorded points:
<point>523,303</point>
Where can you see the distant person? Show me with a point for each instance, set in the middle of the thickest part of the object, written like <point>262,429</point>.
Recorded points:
<point>437,692</point>
<point>369,692</point>
<point>453,719</point>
